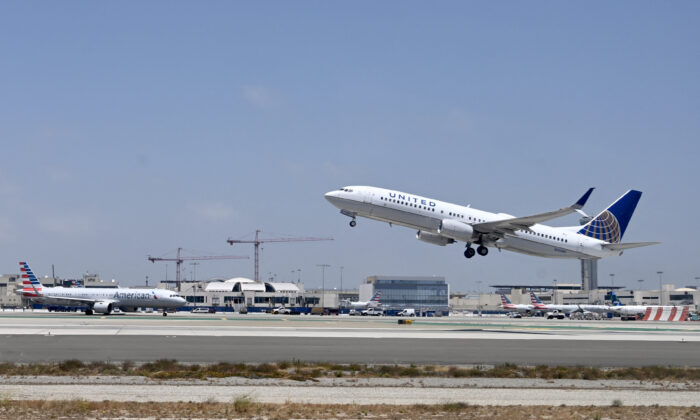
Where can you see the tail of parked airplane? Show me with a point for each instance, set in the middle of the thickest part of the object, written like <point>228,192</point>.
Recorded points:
<point>613,298</point>
<point>504,300</point>
<point>536,301</point>
<point>376,297</point>
<point>610,224</point>
<point>31,286</point>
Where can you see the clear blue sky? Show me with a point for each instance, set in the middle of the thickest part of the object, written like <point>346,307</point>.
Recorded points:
<point>132,128</point>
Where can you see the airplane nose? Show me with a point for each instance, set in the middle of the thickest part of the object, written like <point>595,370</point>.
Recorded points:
<point>331,195</point>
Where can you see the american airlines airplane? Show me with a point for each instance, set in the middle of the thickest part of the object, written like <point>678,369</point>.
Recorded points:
<point>99,299</point>
<point>442,223</point>
<point>372,303</point>
<point>509,306</point>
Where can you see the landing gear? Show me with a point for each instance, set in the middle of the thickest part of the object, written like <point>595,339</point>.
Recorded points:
<point>469,252</point>
<point>165,313</point>
<point>353,223</point>
<point>482,250</point>
<point>88,312</point>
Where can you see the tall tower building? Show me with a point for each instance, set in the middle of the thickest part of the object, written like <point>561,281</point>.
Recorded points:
<point>589,268</point>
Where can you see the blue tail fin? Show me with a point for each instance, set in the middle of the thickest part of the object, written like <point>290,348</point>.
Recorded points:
<point>610,224</point>
<point>614,300</point>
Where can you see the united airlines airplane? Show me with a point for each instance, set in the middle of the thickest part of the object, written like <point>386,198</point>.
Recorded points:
<point>99,299</point>
<point>442,223</point>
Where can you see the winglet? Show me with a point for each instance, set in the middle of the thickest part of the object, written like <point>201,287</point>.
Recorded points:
<point>582,201</point>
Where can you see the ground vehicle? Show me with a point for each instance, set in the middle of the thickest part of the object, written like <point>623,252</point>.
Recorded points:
<point>407,312</point>
<point>353,312</point>
<point>372,312</point>
<point>281,311</point>
<point>514,315</point>
<point>200,311</point>
<point>555,314</point>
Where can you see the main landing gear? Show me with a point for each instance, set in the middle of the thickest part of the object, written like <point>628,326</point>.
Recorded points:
<point>88,312</point>
<point>481,250</point>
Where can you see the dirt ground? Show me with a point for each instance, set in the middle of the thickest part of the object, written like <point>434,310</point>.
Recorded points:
<point>243,408</point>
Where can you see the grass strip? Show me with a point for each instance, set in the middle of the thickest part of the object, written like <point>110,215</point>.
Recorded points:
<point>302,371</point>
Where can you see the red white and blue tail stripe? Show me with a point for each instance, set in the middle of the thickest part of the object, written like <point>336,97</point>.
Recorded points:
<point>536,301</point>
<point>505,302</point>
<point>376,297</point>
<point>31,286</point>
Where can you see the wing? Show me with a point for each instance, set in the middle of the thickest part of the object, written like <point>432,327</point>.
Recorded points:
<point>628,245</point>
<point>64,300</point>
<point>515,223</point>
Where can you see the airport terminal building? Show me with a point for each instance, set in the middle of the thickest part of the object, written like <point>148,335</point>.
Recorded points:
<point>422,293</point>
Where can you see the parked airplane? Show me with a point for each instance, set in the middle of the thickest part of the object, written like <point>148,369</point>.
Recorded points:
<point>509,306</point>
<point>583,307</point>
<point>567,309</point>
<point>627,311</point>
<point>372,303</point>
<point>442,223</point>
<point>100,299</point>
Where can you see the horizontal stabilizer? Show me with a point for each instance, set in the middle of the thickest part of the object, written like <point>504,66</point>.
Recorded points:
<point>628,245</point>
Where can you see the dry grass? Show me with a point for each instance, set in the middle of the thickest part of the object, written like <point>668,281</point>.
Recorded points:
<point>82,409</point>
<point>296,370</point>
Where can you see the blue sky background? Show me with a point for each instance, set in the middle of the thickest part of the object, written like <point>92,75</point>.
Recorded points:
<point>132,128</point>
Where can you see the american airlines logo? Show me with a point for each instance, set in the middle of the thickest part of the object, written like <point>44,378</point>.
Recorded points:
<point>410,199</point>
<point>125,295</point>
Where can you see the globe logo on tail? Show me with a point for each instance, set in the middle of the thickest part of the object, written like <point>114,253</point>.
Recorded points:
<point>604,227</point>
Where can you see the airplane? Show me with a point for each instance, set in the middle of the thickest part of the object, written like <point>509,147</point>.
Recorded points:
<point>99,299</point>
<point>507,305</point>
<point>567,309</point>
<point>441,223</point>
<point>372,303</point>
<point>626,311</point>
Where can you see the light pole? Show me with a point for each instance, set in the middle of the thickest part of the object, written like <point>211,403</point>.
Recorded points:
<point>640,283</point>
<point>555,291</point>
<point>697,281</point>
<point>146,281</point>
<point>612,280</point>
<point>323,283</point>
<point>661,295</point>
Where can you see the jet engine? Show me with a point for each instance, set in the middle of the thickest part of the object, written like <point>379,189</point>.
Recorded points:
<point>102,307</point>
<point>434,239</point>
<point>457,230</point>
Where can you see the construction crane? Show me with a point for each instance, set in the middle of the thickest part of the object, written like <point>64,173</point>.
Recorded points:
<point>179,259</point>
<point>257,241</point>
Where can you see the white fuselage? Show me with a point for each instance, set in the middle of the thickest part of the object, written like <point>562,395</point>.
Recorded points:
<point>362,305</point>
<point>526,309</point>
<point>118,297</point>
<point>632,310</point>
<point>427,214</point>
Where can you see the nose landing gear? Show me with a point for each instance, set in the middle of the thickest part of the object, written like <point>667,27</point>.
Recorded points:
<point>353,223</point>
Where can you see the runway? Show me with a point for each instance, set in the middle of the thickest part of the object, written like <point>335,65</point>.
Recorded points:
<point>266,338</point>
